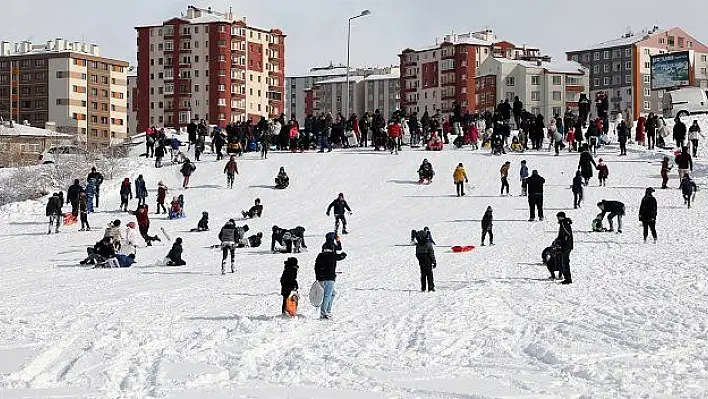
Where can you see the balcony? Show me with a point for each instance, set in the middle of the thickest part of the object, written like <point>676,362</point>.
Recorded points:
<point>575,88</point>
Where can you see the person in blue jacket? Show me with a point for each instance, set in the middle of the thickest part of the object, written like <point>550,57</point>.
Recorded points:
<point>140,190</point>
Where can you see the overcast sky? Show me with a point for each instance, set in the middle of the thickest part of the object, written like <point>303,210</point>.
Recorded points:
<point>317,29</point>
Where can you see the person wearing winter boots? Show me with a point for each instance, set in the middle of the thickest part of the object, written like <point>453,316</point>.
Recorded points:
<point>98,178</point>
<point>140,190</point>
<point>288,280</point>
<point>665,169</point>
<point>142,216</point>
<point>125,192</point>
<point>577,190</point>
<point>565,243</point>
<point>282,181</point>
<point>679,132</point>
<point>113,233</point>
<point>688,189</point>
<point>326,274</point>
<point>535,195</point>
<point>425,253</point>
<point>230,169</point>
<point>614,208</point>
<point>187,169</point>
<point>228,239</point>
<point>504,172</point>
<point>523,176</point>
<point>174,257</point>
<point>586,164</point>
<point>100,252</point>
<point>684,162</point>
<point>602,172</point>
<point>291,239</point>
<point>340,206</point>
<point>647,213</point>
<point>72,195</point>
<point>161,195</point>
<point>53,212</point>
<point>84,204</point>
<point>487,224</point>
<point>255,211</point>
<point>425,172</point>
<point>459,176</point>
<point>203,224</point>
<point>693,132</point>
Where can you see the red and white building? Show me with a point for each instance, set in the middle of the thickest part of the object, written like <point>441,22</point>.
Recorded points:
<point>433,78</point>
<point>206,65</point>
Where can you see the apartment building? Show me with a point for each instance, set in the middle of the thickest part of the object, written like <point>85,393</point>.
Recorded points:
<point>208,65</point>
<point>380,89</point>
<point>622,67</point>
<point>546,88</point>
<point>68,84</point>
<point>132,97</point>
<point>22,145</point>
<point>434,77</point>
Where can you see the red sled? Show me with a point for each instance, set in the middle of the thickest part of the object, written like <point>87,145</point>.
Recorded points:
<point>459,249</point>
<point>69,219</point>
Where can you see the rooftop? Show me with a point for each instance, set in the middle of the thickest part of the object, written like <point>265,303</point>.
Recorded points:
<point>352,79</point>
<point>552,66</point>
<point>28,131</point>
<point>626,39</point>
<point>57,45</point>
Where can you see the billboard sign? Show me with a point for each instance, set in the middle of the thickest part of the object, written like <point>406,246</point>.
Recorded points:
<point>670,70</point>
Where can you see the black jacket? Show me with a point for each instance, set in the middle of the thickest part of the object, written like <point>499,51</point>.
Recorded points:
<point>278,235</point>
<point>679,130</point>
<point>54,205</point>
<point>96,176</point>
<point>288,281</point>
<point>104,249</point>
<point>228,233</point>
<point>684,161</point>
<point>487,221</point>
<point>339,206</point>
<point>256,210</point>
<point>72,194</point>
<point>565,235</point>
<point>203,223</point>
<point>535,184</point>
<point>612,207</point>
<point>577,184</point>
<point>175,254</point>
<point>648,208</point>
<point>586,164</point>
<point>326,265</point>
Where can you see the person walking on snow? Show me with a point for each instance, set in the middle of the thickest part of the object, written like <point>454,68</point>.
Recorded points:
<point>161,195</point>
<point>98,178</point>
<point>90,193</point>
<point>72,195</point>
<point>665,169</point>
<point>565,242</point>
<point>53,211</point>
<point>622,137</point>
<point>143,218</point>
<point>586,164</point>
<point>684,162</point>
<point>84,205</point>
<point>487,222</point>
<point>187,169</point>
<point>602,172</point>
<point>340,205</point>
<point>614,208</point>
<point>460,178</point>
<point>227,236</point>
<point>688,189</point>
<point>504,171</point>
<point>230,169</point>
<point>125,192</point>
<point>693,132</point>
<point>326,274</point>
<point>535,195</point>
<point>425,253</point>
<point>288,280</point>
<point>141,191</point>
<point>577,190</point>
<point>679,132</point>
<point>524,175</point>
<point>647,213</point>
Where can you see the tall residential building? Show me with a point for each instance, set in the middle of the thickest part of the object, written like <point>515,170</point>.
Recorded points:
<point>622,67</point>
<point>436,76</point>
<point>207,65</point>
<point>68,84</point>
<point>299,87</point>
<point>546,88</point>
<point>132,96</point>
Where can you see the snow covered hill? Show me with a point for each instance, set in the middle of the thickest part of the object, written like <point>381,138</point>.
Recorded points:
<point>633,324</point>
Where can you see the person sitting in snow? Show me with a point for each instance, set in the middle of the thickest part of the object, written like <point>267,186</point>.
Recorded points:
<point>282,180</point>
<point>255,211</point>
<point>597,226</point>
<point>100,252</point>
<point>288,280</point>
<point>174,257</point>
<point>113,232</point>
<point>291,239</point>
<point>203,224</point>
<point>425,172</point>
<point>434,144</point>
<point>130,242</point>
<point>176,211</point>
<point>253,241</point>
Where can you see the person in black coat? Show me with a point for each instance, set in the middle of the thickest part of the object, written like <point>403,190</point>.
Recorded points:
<point>291,239</point>
<point>679,132</point>
<point>586,165</point>
<point>487,220</point>
<point>174,257</point>
<point>203,224</point>
<point>255,211</point>
<point>614,208</point>
<point>288,281</point>
<point>340,206</point>
<point>100,252</point>
<point>72,195</point>
<point>326,274</point>
<point>518,108</point>
<point>623,136</point>
<point>535,195</point>
<point>577,190</point>
<point>53,211</point>
<point>583,108</point>
<point>647,213</point>
<point>565,244</point>
<point>425,253</point>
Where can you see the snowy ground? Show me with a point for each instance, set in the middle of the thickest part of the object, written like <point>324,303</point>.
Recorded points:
<point>632,325</point>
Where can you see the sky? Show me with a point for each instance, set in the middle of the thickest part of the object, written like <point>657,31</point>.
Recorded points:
<point>317,29</point>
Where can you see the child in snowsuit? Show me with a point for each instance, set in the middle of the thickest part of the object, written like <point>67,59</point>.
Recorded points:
<point>487,226</point>
<point>460,178</point>
<point>688,189</point>
<point>602,172</point>
<point>125,192</point>
<point>577,189</point>
<point>161,194</point>
<point>174,257</point>
<point>288,281</point>
<point>203,224</point>
<point>597,226</point>
<point>504,171</point>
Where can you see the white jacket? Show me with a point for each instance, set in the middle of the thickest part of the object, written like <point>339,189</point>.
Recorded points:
<point>130,243</point>
<point>695,135</point>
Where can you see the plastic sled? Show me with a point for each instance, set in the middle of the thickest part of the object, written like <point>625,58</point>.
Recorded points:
<point>291,304</point>
<point>316,294</point>
<point>69,219</point>
<point>459,249</point>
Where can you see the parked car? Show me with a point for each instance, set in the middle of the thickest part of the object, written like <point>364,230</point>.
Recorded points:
<point>684,102</point>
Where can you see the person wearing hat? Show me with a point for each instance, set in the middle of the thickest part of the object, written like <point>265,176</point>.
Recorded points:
<point>228,239</point>
<point>174,257</point>
<point>459,176</point>
<point>340,205</point>
<point>647,213</point>
<point>326,274</point>
<point>113,233</point>
<point>487,220</point>
<point>130,242</point>
<point>282,180</point>
<point>602,172</point>
<point>288,280</point>
<point>255,211</point>
<point>565,243</point>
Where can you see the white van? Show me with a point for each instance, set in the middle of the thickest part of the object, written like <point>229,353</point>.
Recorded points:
<point>684,102</point>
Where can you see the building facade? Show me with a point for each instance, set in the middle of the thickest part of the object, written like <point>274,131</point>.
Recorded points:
<point>22,145</point>
<point>622,67</point>
<point>433,78</point>
<point>68,84</point>
<point>207,65</point>
<point>546,88</point>
<point>132,96</point>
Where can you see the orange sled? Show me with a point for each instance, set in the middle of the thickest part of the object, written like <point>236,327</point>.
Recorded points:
<point>459,249</point>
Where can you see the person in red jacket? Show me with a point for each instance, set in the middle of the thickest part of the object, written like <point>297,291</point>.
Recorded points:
<point>230,169</point>
<point>641,130</point>
<point>394,137</point>
<point>161,194</point>
<point>141,214</point>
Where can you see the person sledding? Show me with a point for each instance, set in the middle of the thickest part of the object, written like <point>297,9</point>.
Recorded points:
<point>255,211</point>
<point>435,143</point>
<point>177,207</point>
<point>425,172</point>
<point>292,239</point>
<point>288,281</point>
<point>174,257</point>
<point>203,224</point>
<point>100,252</point>
<point>282,181</point>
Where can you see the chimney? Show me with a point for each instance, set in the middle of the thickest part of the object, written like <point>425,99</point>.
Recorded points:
<point>48,47</point>
<point>4,48</point>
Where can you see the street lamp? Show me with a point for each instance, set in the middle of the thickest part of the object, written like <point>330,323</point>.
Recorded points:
<point>349,39</point>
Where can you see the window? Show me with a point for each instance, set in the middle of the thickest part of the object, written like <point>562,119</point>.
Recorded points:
<point>221,88</point>
<point>596,56</point>
<point>606,54</point>
<point>606,68</point>
<point>510,81</point>
<point>617,80</point>
<point>628,52</point>
<point>606,81</point>
<point>535,80</point>
<point>535,96</point>
<point>557,96</point>
<point>574,57</point>
<point>221,102</point>
<point>647,64</point>
<point>647,92</point>
<point>557,81</point>
<point>628,65</point>
<point>647,78</point>
<point>617,66</point>
<point>628,79</point>
<point>647,106</point>
<point>596,69</point>
<point>671,41</point>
